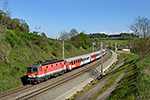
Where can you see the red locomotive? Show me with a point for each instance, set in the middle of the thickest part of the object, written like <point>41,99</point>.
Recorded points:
<point>44,71</point>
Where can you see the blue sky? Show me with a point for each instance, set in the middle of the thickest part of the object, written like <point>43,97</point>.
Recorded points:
<point>55,16</point>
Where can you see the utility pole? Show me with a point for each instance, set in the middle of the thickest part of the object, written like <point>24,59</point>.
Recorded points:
<point>93,46</point>
<point>116,50</point>
<point>98,45</point>
<point>63,50</point>
<point>102,58</point>
<point>116,47</point>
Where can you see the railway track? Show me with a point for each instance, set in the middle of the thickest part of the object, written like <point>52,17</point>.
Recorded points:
<point>11,92</point>
<point>47,87</point>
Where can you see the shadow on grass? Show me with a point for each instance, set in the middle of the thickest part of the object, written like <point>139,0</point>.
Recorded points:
<point>130,63</point>
<point>24,80</point>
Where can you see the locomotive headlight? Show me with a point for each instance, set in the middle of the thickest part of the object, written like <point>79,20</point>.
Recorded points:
<point>32,75</point>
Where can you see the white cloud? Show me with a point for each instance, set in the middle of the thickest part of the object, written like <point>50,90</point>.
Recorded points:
<point>130,31</point>
<point>109,33</point>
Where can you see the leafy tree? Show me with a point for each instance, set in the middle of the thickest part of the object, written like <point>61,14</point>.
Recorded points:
<point>85,41</point>
<point>15,23</point>
<point>34,32</point>
<point>24,26</point>
<point>43,34</point>
<point>76,41</point>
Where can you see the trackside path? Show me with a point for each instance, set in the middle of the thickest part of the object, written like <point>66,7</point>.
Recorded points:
<point>109,91</point>
<point>88,94</point>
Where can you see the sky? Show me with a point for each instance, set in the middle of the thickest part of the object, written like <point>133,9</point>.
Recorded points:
<point>90,16</point>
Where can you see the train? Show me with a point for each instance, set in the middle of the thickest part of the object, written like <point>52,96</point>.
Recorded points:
<point>42,71</point>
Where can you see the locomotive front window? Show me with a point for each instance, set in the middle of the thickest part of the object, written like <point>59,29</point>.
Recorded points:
<point>35,69</point>
<point>29,69</point>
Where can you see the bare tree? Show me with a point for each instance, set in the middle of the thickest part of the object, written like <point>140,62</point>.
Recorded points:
<point>73,33</point>
<point>6,18</point>
<point>64,36</point>
<point>141,28</point>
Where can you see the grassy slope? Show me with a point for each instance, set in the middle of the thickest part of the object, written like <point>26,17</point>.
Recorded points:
<point>136,83</point>
<point>19,50</point>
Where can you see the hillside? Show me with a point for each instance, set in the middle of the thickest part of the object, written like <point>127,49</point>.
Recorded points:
<point>19,50</point>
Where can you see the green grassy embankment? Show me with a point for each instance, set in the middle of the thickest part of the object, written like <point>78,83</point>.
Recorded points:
<point>134,85</point>
<point>19,50</point>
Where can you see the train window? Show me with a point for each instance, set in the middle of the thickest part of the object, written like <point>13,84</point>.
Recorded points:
<point>29,69</point>
<point>46,66</point>
<point>51,65</point>
<point>35,69</point>
<point>60,63</point>
<point>56,64</point>
<point>41,68</point>
<point>76,61</point>
<point>69,63</point>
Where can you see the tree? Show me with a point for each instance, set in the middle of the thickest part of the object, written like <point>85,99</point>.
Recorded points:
<point>85,41</point>
<point>5,17</point>
<point>76,41</point>
<point>73,33</point>
<point>67,36</point>
<point>141,28</point>
<point>43,34</point>
<point>24,26</point>
<point>64,36</point>
<point>34,32</point>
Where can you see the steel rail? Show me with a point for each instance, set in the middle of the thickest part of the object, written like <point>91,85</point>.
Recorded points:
<point>11,92</point>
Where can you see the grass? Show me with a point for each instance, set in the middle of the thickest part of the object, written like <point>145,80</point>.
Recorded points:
<point>136,83</point>
<point>124,91</point>
<point>119,42</point>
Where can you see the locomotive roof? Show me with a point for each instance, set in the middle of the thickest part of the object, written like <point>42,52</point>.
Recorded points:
<point>50,62</point>
<point>45,63</point>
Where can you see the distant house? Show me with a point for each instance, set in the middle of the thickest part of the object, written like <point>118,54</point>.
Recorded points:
<point>124,49</point>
